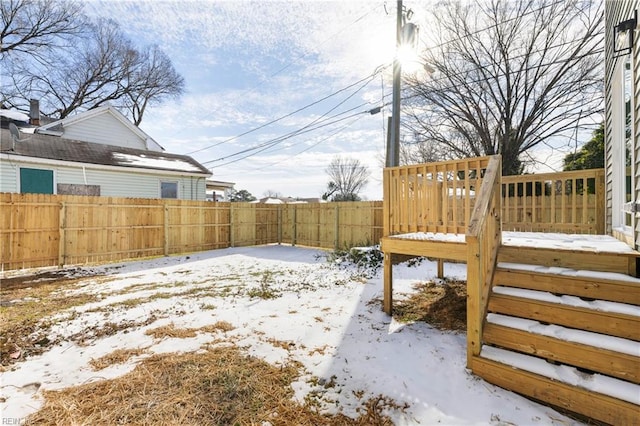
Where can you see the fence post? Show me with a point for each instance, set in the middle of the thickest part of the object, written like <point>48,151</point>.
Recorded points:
<point>280,223</point>
<point>166,229</point>
<point>231,226</point>
<point>62,222</point>
<point>337,228</point>
<point>294,224</point>
<point>9,260</point>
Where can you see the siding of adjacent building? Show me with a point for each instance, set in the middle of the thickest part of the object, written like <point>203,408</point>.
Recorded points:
<point>112,183</point>
<point>617,11</point>
<point>105,129</point>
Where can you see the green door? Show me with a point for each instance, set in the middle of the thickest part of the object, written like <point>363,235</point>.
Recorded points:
<point>36,181</point>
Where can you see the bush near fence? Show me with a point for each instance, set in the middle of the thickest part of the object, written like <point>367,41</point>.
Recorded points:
<point>46,230</point>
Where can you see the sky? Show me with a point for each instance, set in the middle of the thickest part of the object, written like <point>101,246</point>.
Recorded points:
<point>246,64</point>
<point>275,90</point>
<point>328,314</point>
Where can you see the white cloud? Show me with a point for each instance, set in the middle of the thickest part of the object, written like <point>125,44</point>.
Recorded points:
<point>249,62</point>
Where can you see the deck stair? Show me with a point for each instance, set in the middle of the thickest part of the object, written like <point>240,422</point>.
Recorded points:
<point>566,337</point>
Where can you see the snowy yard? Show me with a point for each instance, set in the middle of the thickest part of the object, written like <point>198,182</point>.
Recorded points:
<point>284,305</point>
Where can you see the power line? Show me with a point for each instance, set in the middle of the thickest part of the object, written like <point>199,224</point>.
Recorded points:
<point>288,136</point>
<point>263,147</point>
<point>303,129</point>
<point>379,69</point>
<point>306,129</point>
<point>313,145</point>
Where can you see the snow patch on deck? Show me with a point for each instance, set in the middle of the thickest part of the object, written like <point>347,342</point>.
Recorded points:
<point>595,243</point>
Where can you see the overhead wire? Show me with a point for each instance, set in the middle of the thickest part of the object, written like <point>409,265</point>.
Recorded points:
<point>265,146</point>
<point>306,106</point>
<point>346,126</point>
<point>301,130</point>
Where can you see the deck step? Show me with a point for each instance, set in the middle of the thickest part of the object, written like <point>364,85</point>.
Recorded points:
<point>614,357</point>
<point>612,323</point>
<point>617,262</point>
<point>580,283</point>
<point>549,388</point>
<point>563,336</point>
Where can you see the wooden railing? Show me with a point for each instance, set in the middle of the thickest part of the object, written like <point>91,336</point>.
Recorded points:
<point>567,202</point>
<point>434,197</point>
<point>483,238</point>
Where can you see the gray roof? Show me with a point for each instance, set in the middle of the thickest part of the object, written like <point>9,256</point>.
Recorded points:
<point>57,148</point>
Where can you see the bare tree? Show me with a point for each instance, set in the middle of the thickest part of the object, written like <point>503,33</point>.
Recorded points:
<point>154,80</point>
<point>106,68</point>
<point>35,26</point>
<point>347,178</point>
<point>509,75</point>
<point>270,193</point>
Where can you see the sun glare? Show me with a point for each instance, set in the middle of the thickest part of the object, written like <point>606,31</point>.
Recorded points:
<point>409,59</point>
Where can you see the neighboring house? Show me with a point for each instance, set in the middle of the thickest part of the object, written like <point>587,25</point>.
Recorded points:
<point>216,186</point>
<point>104,125</point>
<point>622,120</point>
<point>288,200</point>
<point>98,152</point>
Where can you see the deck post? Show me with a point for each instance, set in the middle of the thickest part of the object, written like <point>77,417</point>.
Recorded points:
<point>440,268</point>
<point>473,300</point>
<point>387,304</point>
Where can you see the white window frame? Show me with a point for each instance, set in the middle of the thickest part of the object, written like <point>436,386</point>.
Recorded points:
<point>621,207</point>
<point>177,183</point>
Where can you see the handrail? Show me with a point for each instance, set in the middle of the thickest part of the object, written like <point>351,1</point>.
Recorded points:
<point>483,238</point>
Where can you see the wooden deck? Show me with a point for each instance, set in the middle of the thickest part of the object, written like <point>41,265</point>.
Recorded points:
<point>534,275</point>
<point>525,287</point>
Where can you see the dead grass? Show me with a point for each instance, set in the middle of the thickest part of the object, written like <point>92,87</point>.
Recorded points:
<point>220,386</point>
<point>442,305</point>
<point>217,326</point>
<point>172,331</point>
<point>23,306</point>
<point>284,344</point>
<point>119,356</point>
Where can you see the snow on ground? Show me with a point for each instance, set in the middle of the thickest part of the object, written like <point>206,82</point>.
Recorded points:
<point>329,315</point>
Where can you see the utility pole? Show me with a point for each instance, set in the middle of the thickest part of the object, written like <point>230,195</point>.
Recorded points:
<point>393,142</point>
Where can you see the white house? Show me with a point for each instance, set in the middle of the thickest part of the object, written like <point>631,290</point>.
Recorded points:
<point>98,152</point>
<point>622,120</point>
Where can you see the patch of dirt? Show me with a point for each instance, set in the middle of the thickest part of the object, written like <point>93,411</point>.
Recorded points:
<point>34,280</point>
<point>443,305</point>
<point>217,386</point>
<point>26,304</point>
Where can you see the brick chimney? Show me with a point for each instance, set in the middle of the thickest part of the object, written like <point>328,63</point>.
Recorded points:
<point>34,112</point>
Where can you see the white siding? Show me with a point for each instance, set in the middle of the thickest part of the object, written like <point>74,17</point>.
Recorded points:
<point>112,183</point>
<point>8,176</point>
<point>615,12</point>
<point>105,129</point>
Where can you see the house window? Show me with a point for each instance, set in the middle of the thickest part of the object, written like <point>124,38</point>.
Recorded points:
<point>36,181</point>
<point>628,146</point>
<point>168,189</point>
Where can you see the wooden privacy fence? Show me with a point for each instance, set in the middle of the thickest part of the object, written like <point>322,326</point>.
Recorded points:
<point>46,230</point>
<point>568,202</point>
